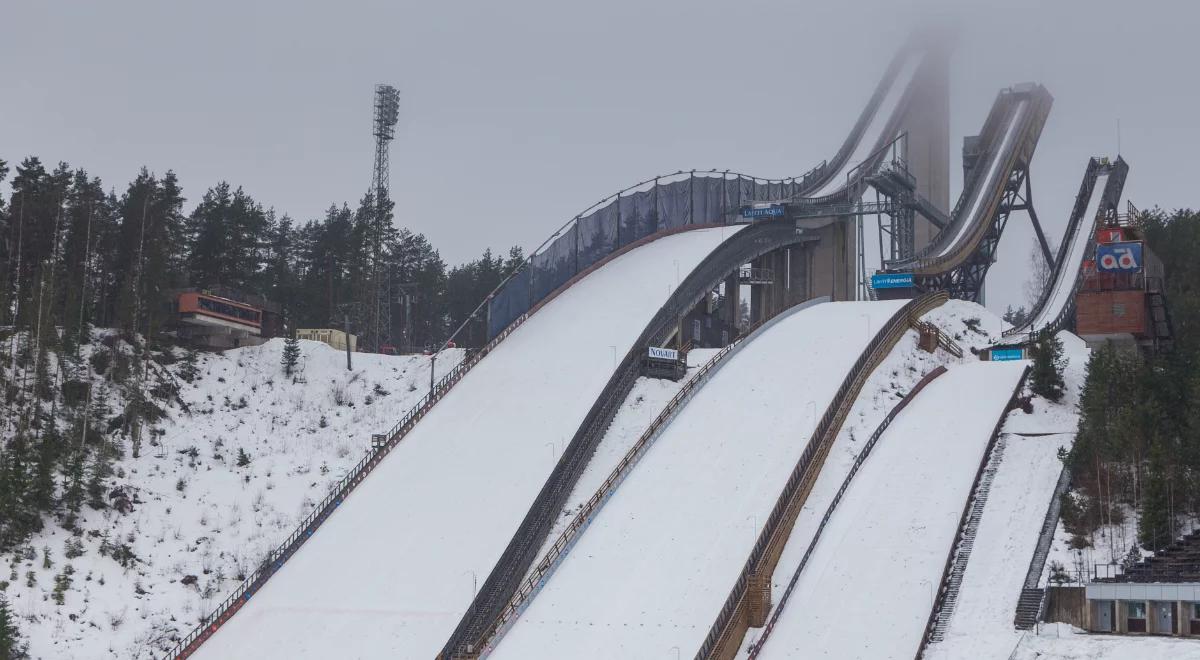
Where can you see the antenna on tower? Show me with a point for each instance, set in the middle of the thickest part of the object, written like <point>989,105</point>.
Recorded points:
<point>387,112</point>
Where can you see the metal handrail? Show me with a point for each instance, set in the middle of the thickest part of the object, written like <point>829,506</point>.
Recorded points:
<point>776,528</point>
<point>808,181</point>
<point>278,556</point>
<point>756,647</point>
<point>1074,225</point>
<point>583,518</point>
<point>805,181</point>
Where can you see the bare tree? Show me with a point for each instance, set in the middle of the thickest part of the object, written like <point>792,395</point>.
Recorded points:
<point>1040,274</point>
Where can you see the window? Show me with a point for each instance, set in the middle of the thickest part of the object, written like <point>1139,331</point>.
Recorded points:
<point>1135,616</point>
<point>1136,609</point>
<point>1196,611</point>
<point>225,309</point>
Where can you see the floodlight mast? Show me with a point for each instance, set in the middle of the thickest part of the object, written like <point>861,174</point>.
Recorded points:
<point>387,113</point>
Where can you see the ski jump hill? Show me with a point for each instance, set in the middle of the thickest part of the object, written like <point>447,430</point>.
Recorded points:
<point>547,499</point>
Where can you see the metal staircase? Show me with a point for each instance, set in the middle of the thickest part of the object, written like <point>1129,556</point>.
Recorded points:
<point>966,542</point>
<point>1029,607</point>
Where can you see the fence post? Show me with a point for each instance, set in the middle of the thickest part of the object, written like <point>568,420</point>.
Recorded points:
<point>529,287</point>
<point>618,241</point>
<point>656,223</point>
<point>575,271</point>
<point>724,198</point>
<point>692,198</point>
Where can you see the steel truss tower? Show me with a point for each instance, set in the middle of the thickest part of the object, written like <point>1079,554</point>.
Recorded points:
<point>378,328</point>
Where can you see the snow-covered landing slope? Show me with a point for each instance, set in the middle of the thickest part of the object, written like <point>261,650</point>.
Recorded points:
<point>653,570</point>
<point>982,624</point>
<point>867,590</point>
<point>391,573</point>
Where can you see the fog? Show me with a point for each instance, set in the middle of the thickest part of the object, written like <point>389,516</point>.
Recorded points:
<point>515,116</point>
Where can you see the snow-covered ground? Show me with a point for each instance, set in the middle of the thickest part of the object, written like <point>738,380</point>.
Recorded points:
<point>392,572</point>
<point>867,590</point>
<point>645,401</point>
<point>197,513</point>
<point>654,568</point>
<point>1062,642</point>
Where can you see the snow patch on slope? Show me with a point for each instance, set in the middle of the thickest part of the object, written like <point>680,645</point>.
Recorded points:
<point>201,515</point>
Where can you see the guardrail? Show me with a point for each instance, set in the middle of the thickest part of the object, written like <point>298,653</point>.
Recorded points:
<point>731,622</point>
<point>964,520</point>
<point>321,512</point>
<point>1077,223</point>
<point>521,552</point>
<point>1037,563</point>
<point>542,572</point>
<point>665,202</point>
<point>757,646</point>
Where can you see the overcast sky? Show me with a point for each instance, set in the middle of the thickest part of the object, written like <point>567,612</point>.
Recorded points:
<point>517,115</point>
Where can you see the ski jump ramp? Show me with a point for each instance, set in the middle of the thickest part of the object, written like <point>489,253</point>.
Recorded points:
<point>868,588</point>
<point>653,569</point>
<point>393,571</point>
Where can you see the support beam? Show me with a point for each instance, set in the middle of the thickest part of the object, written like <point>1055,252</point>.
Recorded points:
<point>1027,206</point>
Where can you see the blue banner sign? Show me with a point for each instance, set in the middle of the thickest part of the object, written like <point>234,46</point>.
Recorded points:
<point>892,281</point>
<point>1119,257</point>
<point>664,353</point>
<point>1007,354</point>
<point>772,211</point>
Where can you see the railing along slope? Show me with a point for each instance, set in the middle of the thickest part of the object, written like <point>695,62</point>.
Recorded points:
<point>506,577</point>
<point>375,454</point>
<point>965,519</point>
<point>777,611</point>
<point>1113,188</point>
<point>566,540</point>
<point>732,621</point>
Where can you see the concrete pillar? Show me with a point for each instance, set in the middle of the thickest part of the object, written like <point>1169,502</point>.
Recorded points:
<point>927,123</point>
<point>798,275</point>
<point>778,280</point>
<point>758,295</point>
<point>733,304</point>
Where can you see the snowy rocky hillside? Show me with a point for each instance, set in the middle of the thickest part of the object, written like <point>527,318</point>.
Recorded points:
<point>243,453</point>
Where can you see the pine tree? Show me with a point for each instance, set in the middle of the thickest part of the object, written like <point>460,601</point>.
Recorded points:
<point>189,367</point>
<point>73,493</point>
<point>291,355</point>
<point>1156,528</point>
<point>1046,378</point>
<point>11,647</point>
<point>243,459</point>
